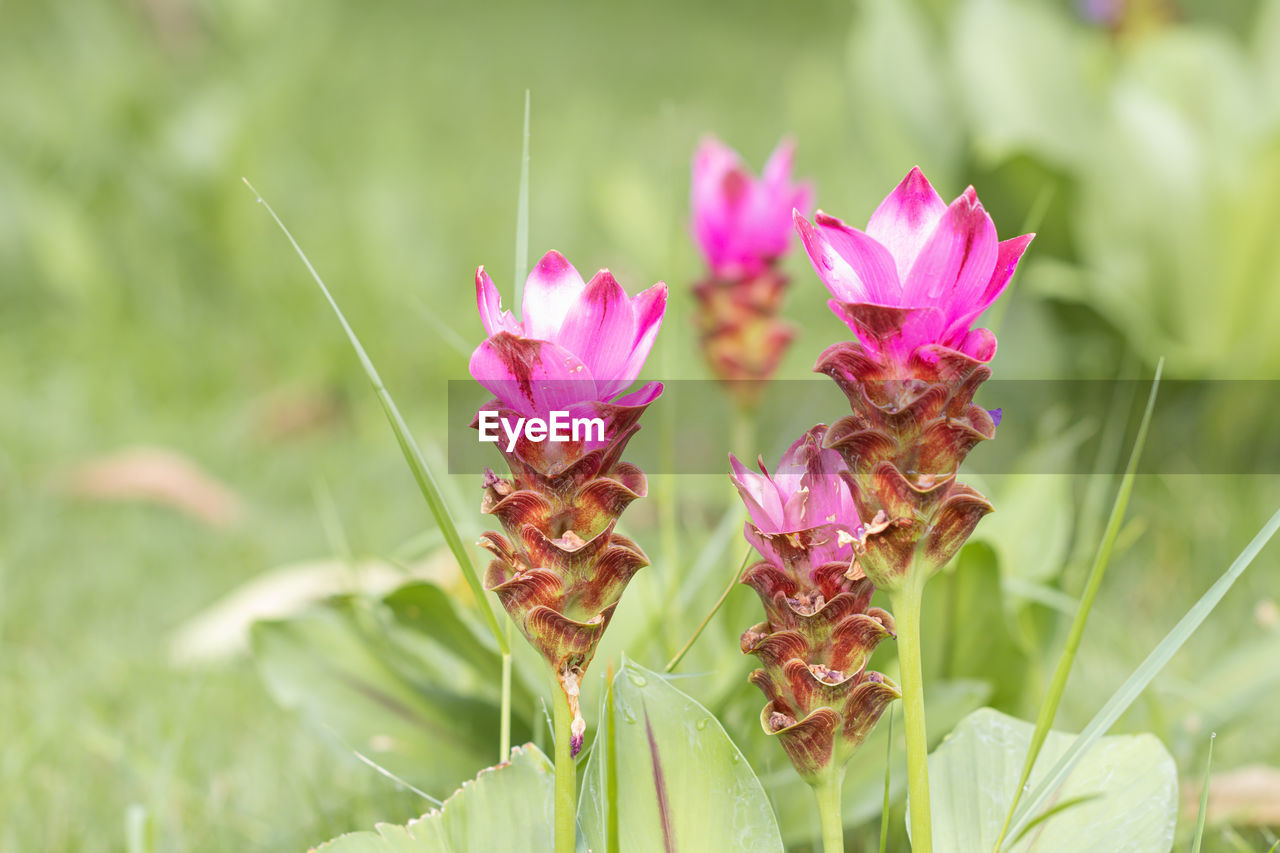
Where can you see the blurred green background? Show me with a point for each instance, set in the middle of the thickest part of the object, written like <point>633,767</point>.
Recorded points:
<point>147,301</point>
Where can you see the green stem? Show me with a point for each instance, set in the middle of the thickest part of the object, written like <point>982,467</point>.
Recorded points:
<point>504,728</point>
<point>827,793</point>
<point>906,617</point>
<point>566,773</point>
<point>743,437</point>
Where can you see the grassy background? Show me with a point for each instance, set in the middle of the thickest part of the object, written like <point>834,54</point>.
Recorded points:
<point>145,299</point>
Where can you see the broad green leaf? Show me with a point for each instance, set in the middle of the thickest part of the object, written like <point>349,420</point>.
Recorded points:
<point>1125,791</point>
<point>398,698</point>
<point>507,808</point>
<point>681,782</point>
<point>966,632</point>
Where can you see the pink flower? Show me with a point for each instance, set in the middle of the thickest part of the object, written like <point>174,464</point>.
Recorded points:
<point>804,494</point>
<point>742,223</point>
<point>934,266</point>
<point>580,342</point>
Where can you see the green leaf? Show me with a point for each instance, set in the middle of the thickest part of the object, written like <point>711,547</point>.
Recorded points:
<point>684,783</point>
<point>402,700</point>
<point>1123,794</point>
<point>1141,677</point>
<point>966,630</point>
<point>507,808</point>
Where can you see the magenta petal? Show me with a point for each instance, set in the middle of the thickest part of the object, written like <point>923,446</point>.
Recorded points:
<point>1007,257</point>
<point>854,267</point>
<point>956,262</point>
<point>906,218</point>
<point>642,396</point>
<point>649,306</point>
<point>601,330</point>
<point>759,495</point>
<point>532,377</point>
<point>550,292</point>
<point>490,302</point>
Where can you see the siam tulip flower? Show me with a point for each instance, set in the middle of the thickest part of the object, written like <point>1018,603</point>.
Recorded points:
<point>742,223</point>
<point>911,288</point>
<point>818,631</point>
<point>804,495</point>
<point>560,569</point>
<point>921,273</point>
<point>742,226</point>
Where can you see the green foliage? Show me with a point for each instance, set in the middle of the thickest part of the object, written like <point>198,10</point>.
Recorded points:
<point>507,808</point>
<point>681,783</point>
<point>1123,794</point>
<point>405,683</point>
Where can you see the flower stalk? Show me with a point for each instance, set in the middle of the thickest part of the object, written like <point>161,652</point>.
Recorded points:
<point>910,288</point>
<point>566,792</point>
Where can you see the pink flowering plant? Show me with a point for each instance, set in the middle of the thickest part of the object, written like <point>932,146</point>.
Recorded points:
<point>741,225</point>
<point>848,527</point>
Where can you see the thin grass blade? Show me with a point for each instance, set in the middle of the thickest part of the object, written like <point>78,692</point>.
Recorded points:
<point>521,267</point>
<point>1143,675</point>
<point>412,454</point>
<point>1204,798</point>
<point>1049,708</point>
<point>1057,808</point>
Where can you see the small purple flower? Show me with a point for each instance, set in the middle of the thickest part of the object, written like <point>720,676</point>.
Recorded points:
<point>741,223</point>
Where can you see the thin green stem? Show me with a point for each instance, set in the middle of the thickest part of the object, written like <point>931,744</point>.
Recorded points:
<point>827,793</point>
<point>566,772</point>
<point>675,661</point>
<point>504,727</point>
<point>906,617</point>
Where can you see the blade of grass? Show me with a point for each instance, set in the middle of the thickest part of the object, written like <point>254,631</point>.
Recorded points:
<point>412,454</point>
<point>675,661</point>
<point>1049,708</point>
<point>1204,797</point>
<point>1143,675</point>
<point>888,778</point>
<point>521,268</point>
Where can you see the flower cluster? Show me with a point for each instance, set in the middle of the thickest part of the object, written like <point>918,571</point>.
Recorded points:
<point>742,226</point>
<point>818,631</point>
<point>560,568</point>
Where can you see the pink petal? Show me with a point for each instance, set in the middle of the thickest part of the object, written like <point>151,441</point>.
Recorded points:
<point>601,330</point>
<point>642,396</point>
<point>1009,253</point>
<point>649,306</point>
<point>550,293</point>
<point>854,267</point>
<point>905,219</point>
<point>777,169</point>
<point>490,302</point>
<point>759,495</point>
<point>956,262</point>
<point>533,377</point>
